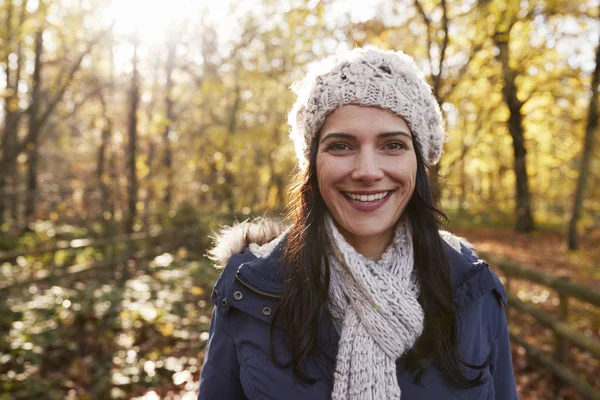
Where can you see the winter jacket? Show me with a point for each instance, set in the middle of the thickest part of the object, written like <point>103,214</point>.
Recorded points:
<point>238,364</point>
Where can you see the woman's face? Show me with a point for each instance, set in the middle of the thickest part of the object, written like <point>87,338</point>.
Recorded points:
<point>366,169</point>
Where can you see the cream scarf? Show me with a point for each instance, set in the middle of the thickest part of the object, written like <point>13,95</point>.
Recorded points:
<point>374,307</point>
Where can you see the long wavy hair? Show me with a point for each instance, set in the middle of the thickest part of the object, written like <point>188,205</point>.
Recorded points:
<point>306,287</point>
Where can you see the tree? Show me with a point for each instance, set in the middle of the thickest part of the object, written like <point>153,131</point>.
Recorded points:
<point>134,99</point>
<point>34,124</point>
<point>588,146</point>
<point>170,116</point>
<point>8,179</point>
<point>507,19</point>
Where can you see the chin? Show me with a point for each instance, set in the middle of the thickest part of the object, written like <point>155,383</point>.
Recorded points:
<point>367,229</point>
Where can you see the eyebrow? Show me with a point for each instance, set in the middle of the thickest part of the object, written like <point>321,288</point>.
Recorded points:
<point>349,136</point>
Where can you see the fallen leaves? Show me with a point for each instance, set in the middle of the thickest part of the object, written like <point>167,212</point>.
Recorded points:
<point>546,251</point>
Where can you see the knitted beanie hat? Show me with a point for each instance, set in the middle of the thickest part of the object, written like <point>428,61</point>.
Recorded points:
<point>368,77</point>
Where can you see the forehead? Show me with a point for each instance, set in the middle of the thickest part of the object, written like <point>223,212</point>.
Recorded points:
<point>363,121</point>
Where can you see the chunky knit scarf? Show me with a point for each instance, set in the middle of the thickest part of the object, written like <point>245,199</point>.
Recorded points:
<point>374,306</point>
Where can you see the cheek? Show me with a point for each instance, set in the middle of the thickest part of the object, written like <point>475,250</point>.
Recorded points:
<point>405,172</point>
<point>326,171</point>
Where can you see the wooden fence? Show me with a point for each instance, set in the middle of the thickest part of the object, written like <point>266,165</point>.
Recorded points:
<point>564,335</point>
<point>117,249</point>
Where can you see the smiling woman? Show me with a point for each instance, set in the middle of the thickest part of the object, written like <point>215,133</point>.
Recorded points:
<point>362,296</point>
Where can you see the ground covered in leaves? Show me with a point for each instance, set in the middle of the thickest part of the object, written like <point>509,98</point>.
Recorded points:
<point>102,336</point>
<point>546,251</point>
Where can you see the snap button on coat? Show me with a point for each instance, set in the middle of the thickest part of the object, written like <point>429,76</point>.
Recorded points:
<point>224,303</point>
<point>238,295</point>
<point>266,311</point>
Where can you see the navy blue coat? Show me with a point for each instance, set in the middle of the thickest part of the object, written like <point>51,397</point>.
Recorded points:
<point>238,365</point>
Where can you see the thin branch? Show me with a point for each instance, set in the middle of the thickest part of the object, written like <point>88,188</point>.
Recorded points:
<point>445,23</point>
<point>466,147</point>
<point>461,72</point>
<point>428,25</point>
<point>76,66</point>
<point>4,163</point>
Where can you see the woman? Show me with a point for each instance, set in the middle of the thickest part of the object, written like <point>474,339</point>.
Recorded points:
<point>362,297</point>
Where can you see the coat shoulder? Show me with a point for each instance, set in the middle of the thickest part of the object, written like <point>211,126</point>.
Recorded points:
<point>471,277</point>
<point>245,249</point>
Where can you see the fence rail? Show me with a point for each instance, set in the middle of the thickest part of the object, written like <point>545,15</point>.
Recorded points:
<point>83,243</point>
<point>76,269</point>
<point>563,334</point>
<point>560,370</point>
<point>560,284</point>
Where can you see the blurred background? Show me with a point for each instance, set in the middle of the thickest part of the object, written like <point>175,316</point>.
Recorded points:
<point>131,129</point>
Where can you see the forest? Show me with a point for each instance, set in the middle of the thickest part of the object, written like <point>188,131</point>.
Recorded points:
<point>131,130</point>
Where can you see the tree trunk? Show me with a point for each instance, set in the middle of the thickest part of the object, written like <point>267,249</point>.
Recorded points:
<point>228,175</point>
<point>114,194</point>
<point>101,173</point>
<point>3,139</point>
<point>588,146</point>
<point>523,214</point>
<point>463,188</point>
<point>436,77</point>
<point>277,177</point>
<point>434,183</point>
<point>168,156</point>
<point>8,180</point>
<point>34,130</point>
<point>132,188</point>
<point>148,192</point>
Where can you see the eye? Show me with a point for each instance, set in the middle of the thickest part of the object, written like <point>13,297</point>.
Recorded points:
<point>338,146</point>
<point>395,146</point>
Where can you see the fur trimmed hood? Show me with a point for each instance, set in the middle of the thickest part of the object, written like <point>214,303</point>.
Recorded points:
<point>233,239</point>
<point>262,234</point>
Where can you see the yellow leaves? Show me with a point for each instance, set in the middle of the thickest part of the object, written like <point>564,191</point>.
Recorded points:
<point>272,197</point>
<point>264,175</point>
<point>13,105</point>
<point>142,168</point>
<point>197,290</point>
<point>105,179</point>
<point>6,92</point>
<point>167,329</point>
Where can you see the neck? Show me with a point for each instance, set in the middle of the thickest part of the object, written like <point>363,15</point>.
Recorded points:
<point>371,247</point>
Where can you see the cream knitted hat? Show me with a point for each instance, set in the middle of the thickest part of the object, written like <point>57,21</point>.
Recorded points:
<point>368,77</point>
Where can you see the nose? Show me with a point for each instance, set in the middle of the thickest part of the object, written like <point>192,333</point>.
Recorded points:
<point>367,167</point>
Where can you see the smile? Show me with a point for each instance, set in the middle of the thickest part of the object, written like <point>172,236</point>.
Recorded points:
<point>367,198</point>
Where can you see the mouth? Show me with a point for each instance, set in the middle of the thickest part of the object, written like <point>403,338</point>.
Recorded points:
<point>370,198</point>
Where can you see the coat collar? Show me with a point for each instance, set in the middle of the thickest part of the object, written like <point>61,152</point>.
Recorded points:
<point>470,277</point>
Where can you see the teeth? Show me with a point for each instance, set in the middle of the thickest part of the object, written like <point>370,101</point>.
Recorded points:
<point>367,197</point>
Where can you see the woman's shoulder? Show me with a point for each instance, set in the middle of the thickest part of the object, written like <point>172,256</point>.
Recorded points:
<point>249,251</point>
<point>471,277</point>
<point>479,300</point>
<point>257,236</point>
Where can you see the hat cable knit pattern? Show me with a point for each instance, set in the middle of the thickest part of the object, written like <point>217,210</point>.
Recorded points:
<point>367,76</point>
<point>374,307</point>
